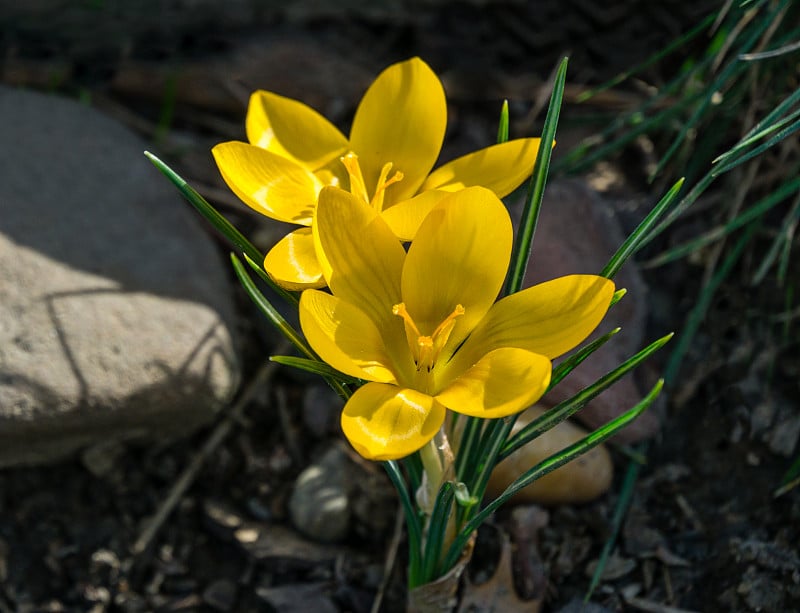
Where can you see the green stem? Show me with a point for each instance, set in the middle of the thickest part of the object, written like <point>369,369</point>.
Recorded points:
<point>412,523</point>
<point>546,466</point>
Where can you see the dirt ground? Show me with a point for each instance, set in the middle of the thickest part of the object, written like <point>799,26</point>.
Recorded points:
<point>704,530</point>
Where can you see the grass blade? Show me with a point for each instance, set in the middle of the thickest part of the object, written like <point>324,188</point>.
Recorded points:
<point>565,409</point>
<point>625,495</point>
<point>265,306</point>
<point>313,366</point>
<point>412,523</point>
<point>764,127</point>
<point>725,167</point>
<point>698,312</point>
<point>437,527</point>
<point>743,219</point>
<point>216,219</point>
<point>533,202</point>
<point>502,128</point>
<point>790,480</point>
<point>568,365</point>
<point>206,210</point>
<point>726,75</point>
<point>547,466</point>
<point>675,45</point>
<point>641,233</point>
<point>277,320</point>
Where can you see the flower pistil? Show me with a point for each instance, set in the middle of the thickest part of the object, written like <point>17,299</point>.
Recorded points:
<point>426,349</point>
<point>359,188</point>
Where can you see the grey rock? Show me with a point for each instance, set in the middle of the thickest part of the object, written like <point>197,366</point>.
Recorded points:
<point>220,595</point>
<point>297,597</point>
<point>577,233</point>
<point>115,309</point>
<point>319,506</point>
<point>783,438</point>
<point>576,605</point>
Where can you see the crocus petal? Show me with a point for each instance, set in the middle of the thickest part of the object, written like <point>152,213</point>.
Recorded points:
<point>292,262</point>
<point>500,168</point>
<point>360,256</point>
<point>503,382</point>
<point>272,185</point>
<point>550,318</point>
<point>384,422</point>
<point>343,336</point>
<point>293,130</point>
<point>459,256</point>
<point>401,119</point>
<point>405,218</point>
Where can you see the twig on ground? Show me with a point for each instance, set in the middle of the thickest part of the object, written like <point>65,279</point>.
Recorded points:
<point>388,564</point>
<point>653,607</point>
<point>217,436</point>
<point>286,427</point>
<point>690,513</point>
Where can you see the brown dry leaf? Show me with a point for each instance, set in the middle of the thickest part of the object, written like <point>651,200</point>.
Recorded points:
<point>439,596</point>
<point>497,595</point>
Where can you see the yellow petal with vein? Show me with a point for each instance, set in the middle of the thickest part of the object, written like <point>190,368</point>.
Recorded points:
<point>292,262</point>
<point>503,382</point>
<point>343,336</point>
<point>293,130</point>
<point>550,318</point>
<point>501,168</point>
<point>268,183</point>
<point>384,422</point>
<point>360,254</point>
<point>459,256</point>
<point>405,218</point>
<point>401,119</point>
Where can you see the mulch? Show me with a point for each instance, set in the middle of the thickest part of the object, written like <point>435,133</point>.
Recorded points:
<point>704,530</point>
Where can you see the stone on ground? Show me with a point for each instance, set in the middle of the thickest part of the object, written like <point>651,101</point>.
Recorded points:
<point>115,308</point>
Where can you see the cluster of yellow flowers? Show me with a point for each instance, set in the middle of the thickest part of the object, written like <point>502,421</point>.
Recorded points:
<point>420,323</point>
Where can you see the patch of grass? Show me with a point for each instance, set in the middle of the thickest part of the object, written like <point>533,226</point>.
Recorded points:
<point>727,120</point>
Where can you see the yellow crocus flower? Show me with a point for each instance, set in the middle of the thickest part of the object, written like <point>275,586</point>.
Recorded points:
<point>423,328</point>
<point>395,140</point>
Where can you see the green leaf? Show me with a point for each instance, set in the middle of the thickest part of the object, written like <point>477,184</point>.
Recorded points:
<point>641,233</point>
<point>568,365</point>
<point>412,524</point>
<point>216,219</point>
<point>493,437</point>
<point>314,366</point>
<point>533,202</point>
<point>744,218</point>
<point>617,296</point>
<point>502,128</point>
<point>437,527</point>
<point>698,312</point>
<point>265,306</point>
<point>463,497</point>
<point>678,44</point>
<point>565,409</point>
<point>467,457</point>
<point>547,466</point>
<point>621,507</point>
<point>206,210</point>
